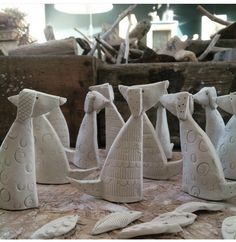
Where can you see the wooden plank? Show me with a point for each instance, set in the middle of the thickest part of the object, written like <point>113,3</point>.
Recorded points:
<point>66,76</point>
<point>159,197</point>
<point>189,77</point>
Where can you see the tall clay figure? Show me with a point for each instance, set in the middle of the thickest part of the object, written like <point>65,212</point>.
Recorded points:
<point>58,121</point>
<point>121,179</point>
<point>86,153</point>
<point>113,119</point>
<point>17,159</point>
<point>215,125</point>
<point>162,131</point>
<point>227,146</point>
<point>155,164</point>
<point>203,174</point>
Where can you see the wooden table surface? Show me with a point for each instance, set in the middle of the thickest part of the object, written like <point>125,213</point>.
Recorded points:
<point>159,197</point>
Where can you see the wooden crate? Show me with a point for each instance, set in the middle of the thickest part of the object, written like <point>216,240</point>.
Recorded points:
<point>66,76</point>
<point>189,77</point>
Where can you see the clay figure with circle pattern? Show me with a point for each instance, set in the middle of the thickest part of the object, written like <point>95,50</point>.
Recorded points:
<point>121,178</point>
<point>155,164</point>
<point>162,131</point>
<point>215,125</point>
<point>86,151</point>
<point>17,159</point>
<point>113,119</point>
<point>52,166</point>
<point>203,175</point>
<point>227,146</point>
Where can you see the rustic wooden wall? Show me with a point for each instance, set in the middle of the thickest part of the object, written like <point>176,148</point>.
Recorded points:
<point>66,76</point>
<point>189,77</point>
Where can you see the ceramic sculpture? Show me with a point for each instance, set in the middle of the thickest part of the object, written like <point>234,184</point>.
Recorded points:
<point>52,166</point>
<point>228,228</point>
<point>155,164</point>
<point>215,125</point>
<point>227,146</point>
<point>170,222</point>
<point>17,159</point>
<point>115,221</point>
<point>56,227</point>
<point>86,154</point>
<point>58,121</point>
<point>121,178</point>
<point>162,131</point>
<point>203,175</point>
<point>113,120</point>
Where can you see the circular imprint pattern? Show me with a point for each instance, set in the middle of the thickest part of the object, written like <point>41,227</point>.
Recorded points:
<point>202,146</point>
<point>23,142</point>
<point>13,134</point>
<point>195,191</point>
<point>232,139</point>
<point>193,157</point>
<point>5,195</point>
<point>47,138</point>
<point>222,149</point>
<point>3,178</point>
<point>19,156</point>
<point>191,136</point>
<point>232,165</point>
<point>203,169</point>
<point>5,145</point>
<point>29,201</point>
<point>28,168</point>
<point>20,187</point>
<point>7,161</point>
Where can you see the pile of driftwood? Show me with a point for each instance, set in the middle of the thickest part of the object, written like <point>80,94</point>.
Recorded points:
<point>112,49</point>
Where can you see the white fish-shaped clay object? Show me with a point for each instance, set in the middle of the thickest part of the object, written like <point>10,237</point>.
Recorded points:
<point>228,228</point>
<point>56,227</point>
<point>115,221</point>
<point>192,207</point>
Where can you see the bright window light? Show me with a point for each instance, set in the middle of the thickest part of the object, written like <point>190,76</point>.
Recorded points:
<point>124,24</point>
<point>209,27</point>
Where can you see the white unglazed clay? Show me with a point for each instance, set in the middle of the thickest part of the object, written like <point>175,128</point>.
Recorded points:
<point>113,119</point>
<point>228,228</point>
<point>192,207</point>
<point>227,145</point>
<point>121,178</point>
<point>203,175</point>
<point>115,221</point>
<point>215,125</point>
<point>17,157</point>
<point>162,131</point>
<point>58,122</point>
<point>155,164</point>
<point>56,227</point>
<point>86,154</point>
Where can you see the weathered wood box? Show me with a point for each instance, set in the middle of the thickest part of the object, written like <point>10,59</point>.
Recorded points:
<point>70,76</point>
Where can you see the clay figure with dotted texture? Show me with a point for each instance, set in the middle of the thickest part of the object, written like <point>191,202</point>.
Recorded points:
<point>113,119</point>
<point>17,158</point>
<point>86,152</point>
<point>227,146</point>
<point>203,175</point>
<point>121,178</point>
<point>155,164</point>
<point>215,125</point>
<point>52,166</point>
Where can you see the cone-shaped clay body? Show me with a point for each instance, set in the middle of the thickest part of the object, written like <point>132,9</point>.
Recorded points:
<point>162,131</point>
<point>58,122</point>
<point>121,178</point>
<point>227,146</point>
<point>203,175</point>
<point>52,166</point>
<point>113,120</point>
<point>17,157</point>
<point>215,125</point>
<point>155,164</point>
<point>86,154</point>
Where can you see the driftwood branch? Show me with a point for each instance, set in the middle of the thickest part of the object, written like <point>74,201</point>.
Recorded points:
<point>212,17</point>
<point>121,53</point>
<point>87,39</point>
<point>210,47</point>
<point>126,54</point>
<point>120,17</point>
<point>107,46</point>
